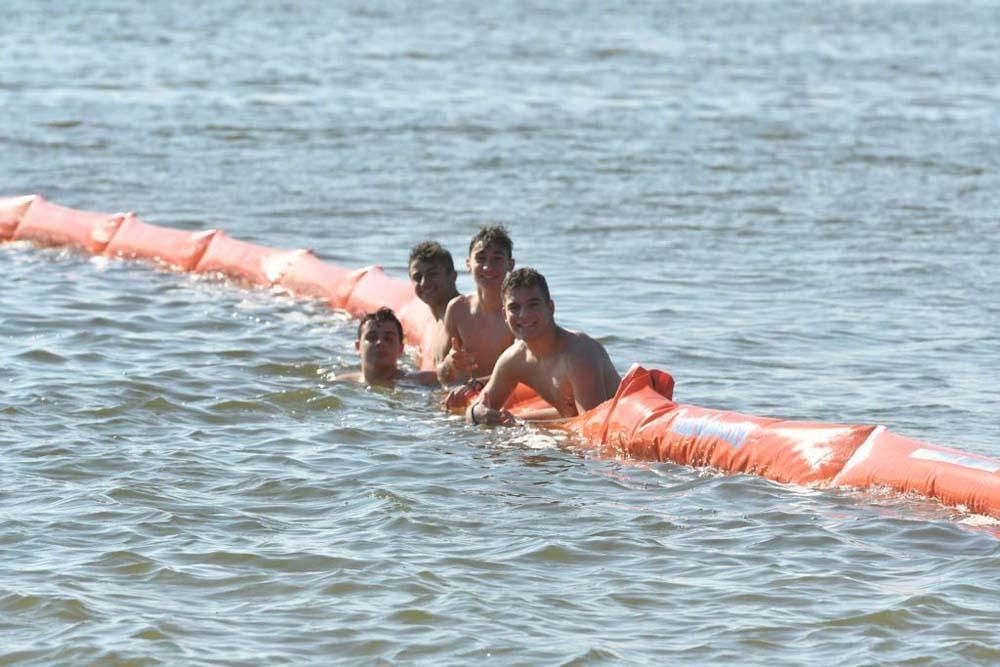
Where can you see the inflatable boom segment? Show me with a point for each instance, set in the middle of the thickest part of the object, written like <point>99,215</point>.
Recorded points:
<point>641,421</point>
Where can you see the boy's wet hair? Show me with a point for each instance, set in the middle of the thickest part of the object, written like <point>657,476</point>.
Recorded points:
<point>496,234</point>
<point>383,314</point>
<point>525,277</point>
<point>434,252</point>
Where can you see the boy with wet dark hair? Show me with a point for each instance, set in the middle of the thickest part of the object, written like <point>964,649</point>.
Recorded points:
<point>493,235</point>
<point>475,332</point>
<point>525,278</point>
<point>383,315</point>
<point>380,346</point>
<point>569,370</point>
<point>433,275</point>
<point>433,252</point>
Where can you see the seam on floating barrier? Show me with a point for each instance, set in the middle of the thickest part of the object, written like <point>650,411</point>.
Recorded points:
<point>16,207</point>
<point>241,260</point>
<point>353,281</point>
<point>860,454</point>
<point>347,288</point>
<point>105,230</point>
<point>202,248</point>
<point>114,232</point>
<point>819,449</point>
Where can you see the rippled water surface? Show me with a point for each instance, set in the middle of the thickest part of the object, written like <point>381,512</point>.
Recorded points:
<point>791,206</point>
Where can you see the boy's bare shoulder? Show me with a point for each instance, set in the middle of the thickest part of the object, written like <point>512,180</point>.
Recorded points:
<point>581,346</point>
<point>516,351</point>
<point>458,307</point>
<point>580,341</point>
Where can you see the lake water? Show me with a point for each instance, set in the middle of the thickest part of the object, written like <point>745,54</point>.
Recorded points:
<point>791,206</point>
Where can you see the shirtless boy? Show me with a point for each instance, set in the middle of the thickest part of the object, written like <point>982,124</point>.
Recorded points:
<point>568,369</point>
<point>474,323</point>
<point>433,275</point>
<point>380,345</point>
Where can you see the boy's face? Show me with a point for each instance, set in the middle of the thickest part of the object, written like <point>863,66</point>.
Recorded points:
<point>431,281</point>
<point>527,312</point>
<point>489,264</point>
<point>380,345</point>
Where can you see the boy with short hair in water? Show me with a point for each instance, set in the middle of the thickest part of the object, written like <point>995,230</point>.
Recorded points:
<point>476,333</point>
<point>432,272</point>
<point>380,346</point>
<point>568,369</point>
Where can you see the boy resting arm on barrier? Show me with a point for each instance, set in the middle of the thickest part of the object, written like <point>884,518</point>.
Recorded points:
<point>568,369</point>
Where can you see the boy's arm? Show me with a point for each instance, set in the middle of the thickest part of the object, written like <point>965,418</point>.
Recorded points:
<point>540,415</point>
<point>454,360</point>
<point>488,408</point>
<point>588,378</point>
<point>461,395</point>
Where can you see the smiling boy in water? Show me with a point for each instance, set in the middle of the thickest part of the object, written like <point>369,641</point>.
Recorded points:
<point>380,346</point>
<point>568,369</point>
<point>432,272</point>
<point>475,331</point>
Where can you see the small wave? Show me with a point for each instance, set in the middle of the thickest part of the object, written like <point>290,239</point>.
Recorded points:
<point>42,356</point>
<point>237,405</point>
<point>63,608</point>
<point>63,124</point>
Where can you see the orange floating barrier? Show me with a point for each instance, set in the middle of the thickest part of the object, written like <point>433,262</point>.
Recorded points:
<point>524,400</point>
<point>375,289</point>
<point>11,211</point>
<point>418,327</point>
<point>655,387</point>
<point>50,224</point>
<point>136,239</point>
<point>247,262</point>
<point>906,465</point>
<point>309,276</point>
<point>426,353</point>
<point>641,421</point>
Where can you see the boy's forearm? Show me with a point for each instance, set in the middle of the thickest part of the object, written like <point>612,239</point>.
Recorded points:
<point>479,413</point>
